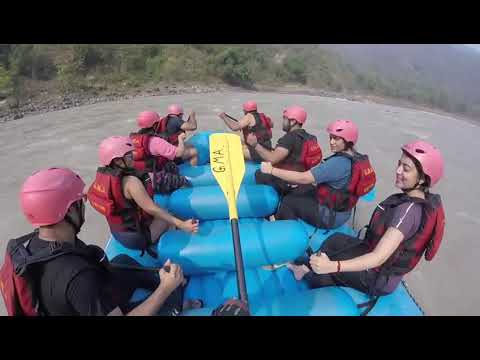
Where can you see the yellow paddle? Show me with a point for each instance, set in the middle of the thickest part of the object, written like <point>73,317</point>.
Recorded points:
<point>228,167</point>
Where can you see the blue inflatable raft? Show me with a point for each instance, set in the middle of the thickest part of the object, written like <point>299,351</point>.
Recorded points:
<point>207,257</point>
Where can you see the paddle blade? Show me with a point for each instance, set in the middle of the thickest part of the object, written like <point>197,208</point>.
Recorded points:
<point>228,166</point>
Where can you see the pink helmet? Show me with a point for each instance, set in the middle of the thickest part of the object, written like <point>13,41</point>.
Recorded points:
<point>146,119</point>
<point>296,113</point>
<point>250,106</point>
<point>428,156</point>
<point>46,196</point>
<point>114,147</point>
<point>175,109</point>
<point>345,129</point>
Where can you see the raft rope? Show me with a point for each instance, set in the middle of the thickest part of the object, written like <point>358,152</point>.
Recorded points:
<point>411,297</point>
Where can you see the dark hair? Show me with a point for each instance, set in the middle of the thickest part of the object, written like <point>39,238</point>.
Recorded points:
<point>348,145</point>
<point>422,176</point>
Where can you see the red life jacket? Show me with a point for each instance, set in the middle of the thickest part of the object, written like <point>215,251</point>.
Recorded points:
<point>16,289</point>
<point>172,138</point>
<point>262,128</point>
<point>143,160</point>
<point>16,274</point>
<point>305,155</point>
<point>106,196</point>
<point>425,242</point>
<point>362,180</point>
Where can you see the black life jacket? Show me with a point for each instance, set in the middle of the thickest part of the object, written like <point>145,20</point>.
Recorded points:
<point>262,128</point>
<point>362,180</point>
<point>305,154</point>
<point>425,242</point>
<point>17,275</point>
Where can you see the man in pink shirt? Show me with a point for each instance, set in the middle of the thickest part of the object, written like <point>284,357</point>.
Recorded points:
<point>161,147</point>
<point>156,155</point>
<point>172,126</point>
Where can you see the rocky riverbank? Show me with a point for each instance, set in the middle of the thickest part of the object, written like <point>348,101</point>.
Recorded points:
<point>11,109</point>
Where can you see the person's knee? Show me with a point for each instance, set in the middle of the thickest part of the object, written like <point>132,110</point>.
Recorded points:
<point>157,229</point>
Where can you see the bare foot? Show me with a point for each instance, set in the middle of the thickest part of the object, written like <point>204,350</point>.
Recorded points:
<point>274,266</point>
<point>299,271</point>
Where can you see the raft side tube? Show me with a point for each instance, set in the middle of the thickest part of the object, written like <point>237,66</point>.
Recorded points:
<point>209,203</point>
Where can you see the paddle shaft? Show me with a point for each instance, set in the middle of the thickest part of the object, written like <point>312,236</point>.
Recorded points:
<point>237,248</point>
<point>230,117</point>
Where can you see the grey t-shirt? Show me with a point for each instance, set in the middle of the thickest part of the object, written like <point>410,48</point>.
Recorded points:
<point>407,218</point>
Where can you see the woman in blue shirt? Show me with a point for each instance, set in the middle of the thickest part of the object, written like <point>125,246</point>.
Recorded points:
<point>307,202</point>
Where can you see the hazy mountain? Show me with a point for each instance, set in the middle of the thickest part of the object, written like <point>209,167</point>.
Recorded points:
<point>453,68</point>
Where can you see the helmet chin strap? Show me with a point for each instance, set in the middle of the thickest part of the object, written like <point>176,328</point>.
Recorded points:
<point>75,220</point>
<point>415,187</point>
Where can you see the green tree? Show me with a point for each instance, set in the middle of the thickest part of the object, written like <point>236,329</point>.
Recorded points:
<point>232,66</point>
<point>32,61</point>
<point>6,83</point>
<point>295,66</point>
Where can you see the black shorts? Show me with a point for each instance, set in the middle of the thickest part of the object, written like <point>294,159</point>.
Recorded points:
<point>132,240</point>
<point>302,203</point>
<point>344,247</point>
<point>280,185</point>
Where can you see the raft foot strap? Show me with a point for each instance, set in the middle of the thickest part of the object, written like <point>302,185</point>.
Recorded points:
<point>369,305</point>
